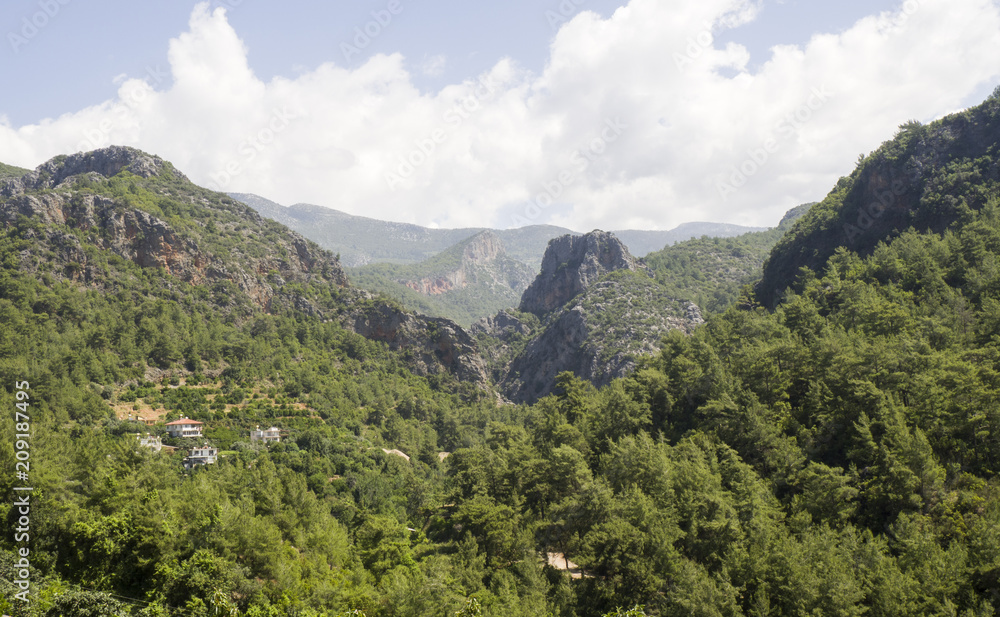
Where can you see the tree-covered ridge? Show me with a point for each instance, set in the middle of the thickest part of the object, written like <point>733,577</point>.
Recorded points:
<point>711,271</point>
<point>926,177</point>
<point>85,213</point>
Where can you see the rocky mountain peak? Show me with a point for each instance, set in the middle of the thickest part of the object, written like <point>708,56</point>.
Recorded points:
<point>571,264</point>
<point>483,248</point>
<point>106,162</point>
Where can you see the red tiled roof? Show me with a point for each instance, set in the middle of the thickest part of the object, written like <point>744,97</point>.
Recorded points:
<point>183,422</point>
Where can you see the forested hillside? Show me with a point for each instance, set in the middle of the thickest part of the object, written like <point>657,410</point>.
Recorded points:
<point>927,178</point>
<point>711,271</point>
<point>836,454</point>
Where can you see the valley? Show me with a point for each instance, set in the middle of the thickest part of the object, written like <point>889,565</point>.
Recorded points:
<point>803,420</point>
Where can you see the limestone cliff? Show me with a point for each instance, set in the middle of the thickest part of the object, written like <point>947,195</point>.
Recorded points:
<point>476,277</point>
<point>593,311</point>
<point>570,265</point>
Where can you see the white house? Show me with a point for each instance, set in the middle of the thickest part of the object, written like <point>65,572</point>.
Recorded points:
<point>205,455</point>
<point>150,441</point>
<point>184,428</point>
<point>267,435</point>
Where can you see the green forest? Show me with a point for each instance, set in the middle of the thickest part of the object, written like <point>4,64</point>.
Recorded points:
<point>835,455</point>
<point>711,271</point>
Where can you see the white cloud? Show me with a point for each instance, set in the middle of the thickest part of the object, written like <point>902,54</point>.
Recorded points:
<point>482,152</point>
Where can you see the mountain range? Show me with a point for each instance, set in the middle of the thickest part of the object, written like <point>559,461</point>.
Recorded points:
<point>461,274</point>
<point>361,240</point>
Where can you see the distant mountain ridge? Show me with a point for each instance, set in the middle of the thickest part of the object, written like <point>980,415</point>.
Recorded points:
<point>361,240</point>
<point>476,277</point>
<point>641,243</point>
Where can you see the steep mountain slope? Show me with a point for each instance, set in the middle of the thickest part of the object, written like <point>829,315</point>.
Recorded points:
<point>83,214</point>
<point>925,178</point>
<point>711,271</point>
<point>593,310</point>
<point>474,278</point>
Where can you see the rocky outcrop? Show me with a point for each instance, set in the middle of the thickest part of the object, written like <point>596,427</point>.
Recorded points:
<point>432,343</point>
<point>150,242</point>
<point>106,163</point>
<point>482,262</point>
<point>599,336</point>
<point>600,311</point>
<point>502,325</point>
<point>571,263</point>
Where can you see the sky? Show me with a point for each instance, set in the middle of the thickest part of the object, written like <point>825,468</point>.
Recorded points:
<point>588,114</point>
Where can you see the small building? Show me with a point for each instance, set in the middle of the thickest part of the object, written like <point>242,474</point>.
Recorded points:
<point>267,435</point>
<point>150,441</point>
<point>184,428</point>
<point>205,455</point>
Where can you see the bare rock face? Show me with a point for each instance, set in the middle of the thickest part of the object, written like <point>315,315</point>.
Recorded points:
<point>483,263</point>
<point>484,248</point>
<point>598,336</point>
<point>106,162</point>
<point>600,311</point>
<point>572,263</point>
<point>433,342</point>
